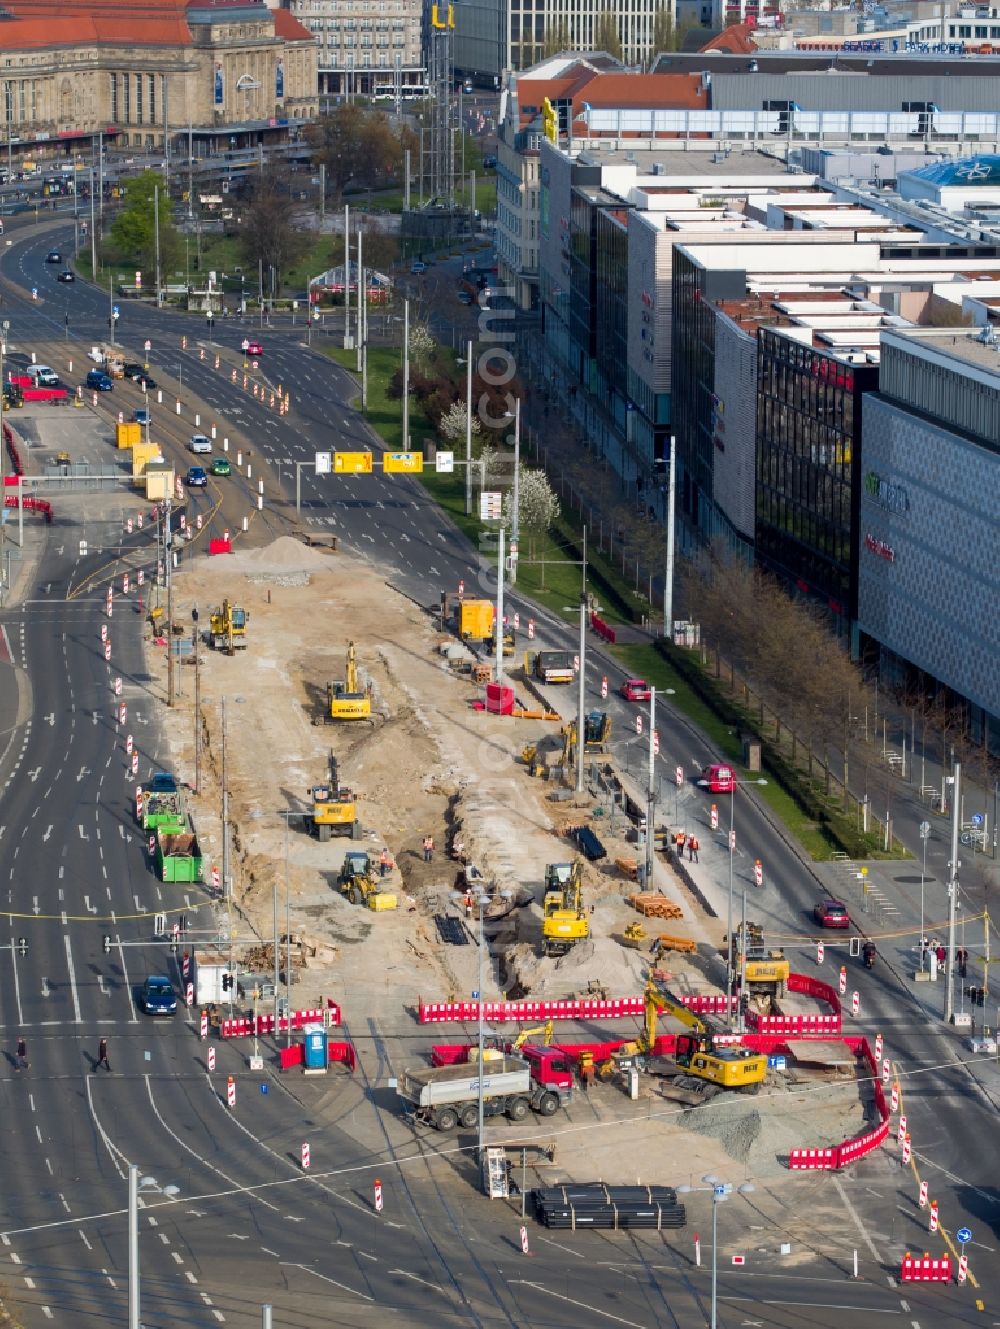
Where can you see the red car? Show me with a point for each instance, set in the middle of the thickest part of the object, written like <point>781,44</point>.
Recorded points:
<point>254,348</point>
<point>832,914</point>
<point>635,689</point>
<point>718,779</point>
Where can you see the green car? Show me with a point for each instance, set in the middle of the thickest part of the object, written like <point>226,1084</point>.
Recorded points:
<point>220,466</point>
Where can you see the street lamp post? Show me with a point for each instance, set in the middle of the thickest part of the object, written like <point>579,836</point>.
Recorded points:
<point>925,835</point>
<point>135,1185</point>
<point>721,1190</point>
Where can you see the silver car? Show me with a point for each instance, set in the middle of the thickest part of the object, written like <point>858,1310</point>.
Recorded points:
<point>199,443</point>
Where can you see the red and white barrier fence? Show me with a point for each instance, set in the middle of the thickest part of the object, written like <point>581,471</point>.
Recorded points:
<point>924,1269</point>
<point>243,1026</point>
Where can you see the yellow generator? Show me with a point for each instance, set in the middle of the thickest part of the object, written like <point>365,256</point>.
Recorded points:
<point>228,628</point>
<point>564,919</point>
<point>347,700</point>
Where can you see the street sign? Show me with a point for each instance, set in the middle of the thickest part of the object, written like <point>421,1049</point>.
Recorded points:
<point>977,819</point>
<point>147,345</point>
<point>963,1235</point>
<point>721,1189</point>
<point>115,311</point>
<point>351,463</point>
<point>638,724</point>
<point>656,743</point>
<point>324,463</point>
<point>444,463</point>
<point>408,463</point>
<point>490,505</point>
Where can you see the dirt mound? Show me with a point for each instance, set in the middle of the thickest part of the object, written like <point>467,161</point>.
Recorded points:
<point>285,556</point>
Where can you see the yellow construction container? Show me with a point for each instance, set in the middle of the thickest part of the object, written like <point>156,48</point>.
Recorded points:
<point>142,455</point>
<point>380,900</point>
<point>128,434</point>
<point>475,619</point>
<point>158,479</point>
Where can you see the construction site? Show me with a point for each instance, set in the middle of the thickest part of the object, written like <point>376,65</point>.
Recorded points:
<point>381,811</point>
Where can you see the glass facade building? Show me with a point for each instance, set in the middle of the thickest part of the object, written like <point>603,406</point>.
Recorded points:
<point>809,417</point>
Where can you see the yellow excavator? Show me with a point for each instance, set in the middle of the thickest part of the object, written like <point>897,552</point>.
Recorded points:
<point>228,628</point>
<point>348,700</point>
<point>357,879</point>
<point>707,1067</point>
<point>334,811</point>
<point>497,1048</point>
<point>564,918</point>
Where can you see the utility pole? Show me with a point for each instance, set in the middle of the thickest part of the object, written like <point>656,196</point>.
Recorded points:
<point>322,195</point>
<point>111,307</point>
<point>93,229</point>
<point>515,523</point>
<point>406,182</point>
<point>499,623</point>
<point>468,428</point>
<point>362,299</point>
<point>406,378</point>
<point>651,788</point>
<point>580,681</point>
<point>168,550</point>
<point>668,576</point>
<point>347,277</point>
<point>156,235</point>
<point>197,706</point>
<point>953,867</point>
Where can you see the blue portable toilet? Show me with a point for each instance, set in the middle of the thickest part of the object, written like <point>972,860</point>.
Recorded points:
<point>315,1048</point>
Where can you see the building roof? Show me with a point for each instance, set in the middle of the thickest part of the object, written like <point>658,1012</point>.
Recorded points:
<point>287,26</point>
<point>965,347</point>
<point>585,88</point>
<point>36,24</point>
<point>901,64</point>
<point>736,39</point>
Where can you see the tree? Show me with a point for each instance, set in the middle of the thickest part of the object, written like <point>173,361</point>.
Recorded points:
<point>606,36</point>
<point>452,425</point>
<point>537,506</point>
<point>268,233</point>
<point>357,145</point>
<point>666,36</point>
<point>422,345</point>
<point>133,231</point>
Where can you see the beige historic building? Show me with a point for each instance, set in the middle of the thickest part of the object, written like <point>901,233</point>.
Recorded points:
<point>141,72</point>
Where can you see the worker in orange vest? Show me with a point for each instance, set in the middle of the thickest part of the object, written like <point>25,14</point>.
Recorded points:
<point>384,863</point>
<point>693,847</point>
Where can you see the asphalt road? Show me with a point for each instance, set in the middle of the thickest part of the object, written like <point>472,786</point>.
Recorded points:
<point>248,1227</point>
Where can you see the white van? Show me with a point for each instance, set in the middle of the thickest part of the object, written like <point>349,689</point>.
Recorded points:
<point>42,376</point>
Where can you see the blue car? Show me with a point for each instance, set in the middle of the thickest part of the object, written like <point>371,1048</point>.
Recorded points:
<point>158,997</point>
<point>141,416</point>
<point>99,381</point>
<point>196,475</point>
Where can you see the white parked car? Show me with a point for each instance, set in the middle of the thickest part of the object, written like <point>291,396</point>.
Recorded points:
<point>981,1043</point>
<point>200,443</point>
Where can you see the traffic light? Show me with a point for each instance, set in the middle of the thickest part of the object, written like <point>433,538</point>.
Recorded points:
<point>227,982</point>
<point>106,944</point>
<point>550,121</point>
<point>173,945</point>
<point>22,945</point>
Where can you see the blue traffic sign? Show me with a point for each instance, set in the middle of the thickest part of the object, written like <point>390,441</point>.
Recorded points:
<point>963,1235</point>
<point>115,310</point>
<point>475,996</point>
<point>977,819</point>
<point>263,1089</point>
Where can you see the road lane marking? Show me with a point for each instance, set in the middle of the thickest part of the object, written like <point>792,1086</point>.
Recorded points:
<point>72,979</point>
<point>17,982</point>
<point>343,1286</point>
<point>405,1273</point>
<point>817,1305</point>
<point>571,1301</point>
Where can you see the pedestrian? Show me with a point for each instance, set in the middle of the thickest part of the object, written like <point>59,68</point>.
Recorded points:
<point>102,1055</point>
<point>941,955</point>
<point>383,862</point>
<point>21,1062</point>
<point>428,848</point>
<point>962,956</point>
<point>693,847</point>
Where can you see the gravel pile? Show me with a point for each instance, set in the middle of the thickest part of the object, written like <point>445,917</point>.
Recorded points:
<point>284,558</point>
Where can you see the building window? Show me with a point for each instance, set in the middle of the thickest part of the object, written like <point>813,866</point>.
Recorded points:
<point>8,101</point>
<point>152,99</point>
<point>127,90</point>
<point>22,104</point>
<point>138,98</point>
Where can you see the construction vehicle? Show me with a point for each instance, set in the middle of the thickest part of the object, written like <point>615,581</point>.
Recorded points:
<point>564,919</point>
<point>161,805</point>
<point>357,879</point>
<point>551,666</point>
<point>348,700</point>
<point>447,1096</point>
<point>228,628</point>
<point>333,808</point>
<point>596,735</point>
<point>708,1068</point>
<point>761,972</point>
<point>509,641</point>
<point>547,1030</point>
